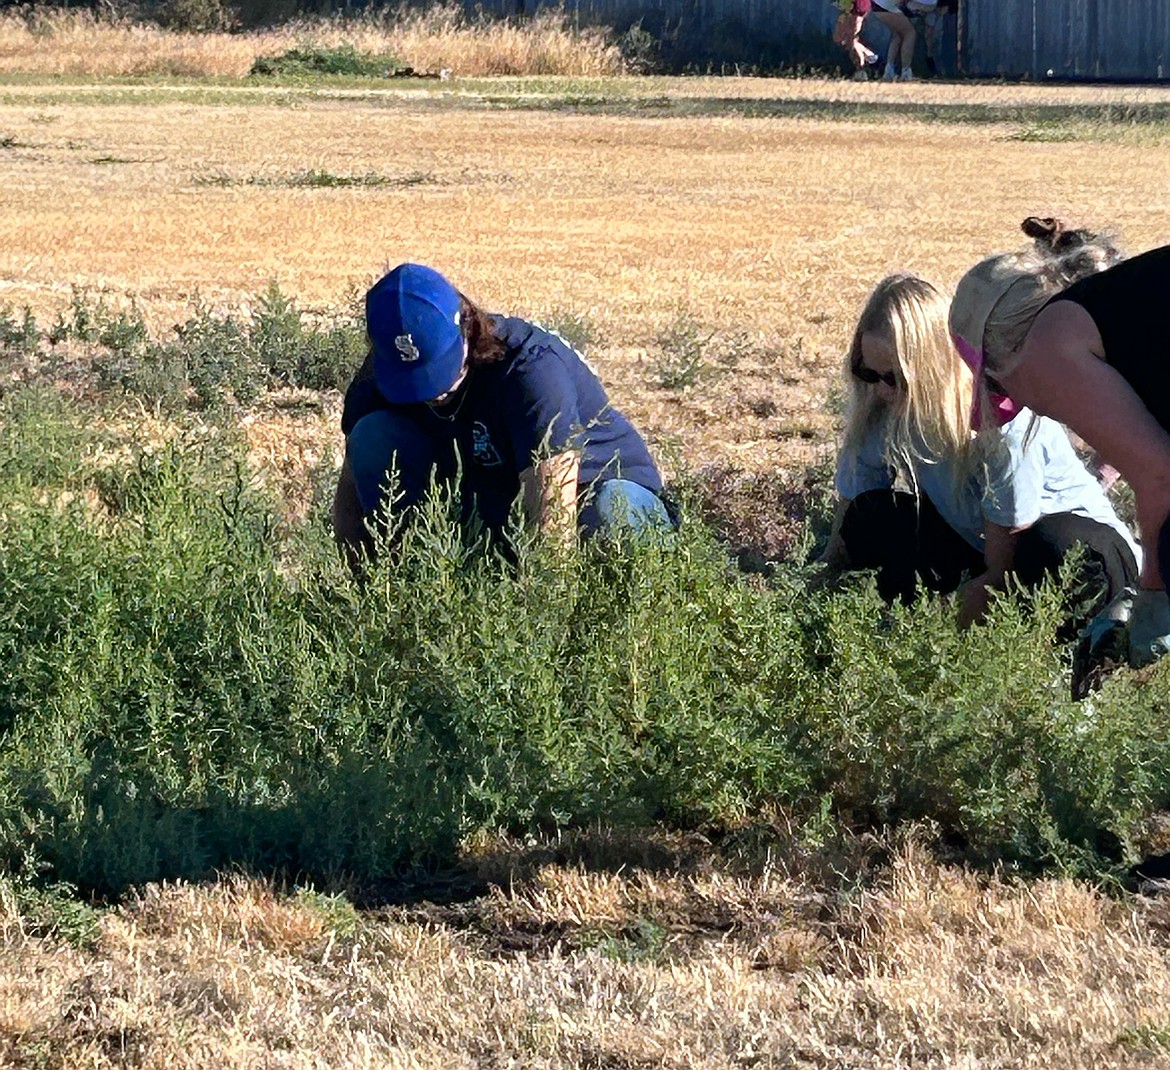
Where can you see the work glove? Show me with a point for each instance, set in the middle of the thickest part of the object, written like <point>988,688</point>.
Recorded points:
<point>1149,628</point>
<point>1103,644</point>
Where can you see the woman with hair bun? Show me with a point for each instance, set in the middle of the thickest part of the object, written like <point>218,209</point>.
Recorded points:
<point>1077,333</point>
<point>977,509</point>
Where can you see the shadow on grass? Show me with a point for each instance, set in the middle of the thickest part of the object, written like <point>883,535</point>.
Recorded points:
<point>1039,121</point>
<point>1085,119</point>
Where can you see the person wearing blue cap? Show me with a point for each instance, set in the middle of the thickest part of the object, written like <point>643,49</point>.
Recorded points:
<point>508,409</point>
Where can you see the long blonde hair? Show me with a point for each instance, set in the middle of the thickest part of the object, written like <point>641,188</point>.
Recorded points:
<point>931,418</point>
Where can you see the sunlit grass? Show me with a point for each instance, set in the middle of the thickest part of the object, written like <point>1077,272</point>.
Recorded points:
<point>78,43</point>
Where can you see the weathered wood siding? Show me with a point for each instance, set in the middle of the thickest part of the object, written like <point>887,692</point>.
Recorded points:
<point>1122,39</point>
<point>1092,39</point>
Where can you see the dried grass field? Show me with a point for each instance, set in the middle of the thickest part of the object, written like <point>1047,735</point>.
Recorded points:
<point>757,214</point>
<point>655,203</point>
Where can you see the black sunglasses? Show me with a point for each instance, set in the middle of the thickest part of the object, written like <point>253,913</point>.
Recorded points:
<point>868,375</point>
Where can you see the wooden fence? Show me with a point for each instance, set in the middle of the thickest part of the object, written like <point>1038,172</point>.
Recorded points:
<point>1089,39</point>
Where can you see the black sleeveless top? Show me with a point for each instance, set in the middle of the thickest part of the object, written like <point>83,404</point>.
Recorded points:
<point>1130,304</point>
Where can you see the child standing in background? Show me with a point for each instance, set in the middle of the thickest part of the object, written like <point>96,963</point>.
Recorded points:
<point>847,34</point>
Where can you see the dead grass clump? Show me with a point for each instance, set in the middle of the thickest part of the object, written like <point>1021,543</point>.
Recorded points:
<point>932,967</point>
<point>71,42</point>
<point>294,440</point>
<point>237,911</point>
<point>568,895</point>
<point>80,43</point>
<point>443,37</point>
<point>762,516</point>
<point>639,915</point>
<point>942,964</point>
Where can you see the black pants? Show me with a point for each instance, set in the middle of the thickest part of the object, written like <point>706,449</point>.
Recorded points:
<point>1164,553</point>
<point>908,542</point>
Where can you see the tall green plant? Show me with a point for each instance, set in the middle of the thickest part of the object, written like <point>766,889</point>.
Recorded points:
<point>186,685</point>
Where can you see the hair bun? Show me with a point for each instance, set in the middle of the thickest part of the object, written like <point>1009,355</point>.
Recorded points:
<point>1044,230</point>
<point>1069,255</point>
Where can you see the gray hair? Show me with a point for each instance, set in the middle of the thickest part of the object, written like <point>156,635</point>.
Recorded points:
<point>1029,279</point>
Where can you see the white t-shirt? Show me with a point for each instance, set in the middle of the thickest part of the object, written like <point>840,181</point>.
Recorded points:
<point>887,5</point>
<point>1037,473</point>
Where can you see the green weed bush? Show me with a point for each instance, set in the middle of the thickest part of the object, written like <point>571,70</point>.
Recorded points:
<point>186,685</point>
<point>576,328</point>
<point>21,336</point>
<point>319,357</point>
<point>212,360</point>
<point>681,359</point>
<point>194,16</point>
<point>317,60</point>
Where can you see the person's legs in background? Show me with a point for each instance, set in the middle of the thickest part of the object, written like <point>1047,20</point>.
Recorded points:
<point>903,38</point>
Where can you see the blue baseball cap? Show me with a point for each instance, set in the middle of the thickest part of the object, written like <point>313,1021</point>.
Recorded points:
<point>412,318</point>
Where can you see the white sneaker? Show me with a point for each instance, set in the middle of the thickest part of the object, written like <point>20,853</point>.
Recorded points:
<point>860,76</point>
<point>907,75</point>
<point>869,56</point>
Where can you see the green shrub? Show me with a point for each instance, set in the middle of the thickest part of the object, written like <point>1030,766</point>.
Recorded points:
<point>576,328</point>
<point>80,322</point>
<point>640,49</point>
<point>18,336</point>
<point>338,914</point>
<point>53,911</point>
<point>317,357</point>
<point>186,685</point>
<point>194,16</point>
<point>681,360</point>
<point>213,360</point>
<point>310,60</point>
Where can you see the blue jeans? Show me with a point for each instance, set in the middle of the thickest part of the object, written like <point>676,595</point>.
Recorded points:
<point>621,503</point>
<point>418,452</point>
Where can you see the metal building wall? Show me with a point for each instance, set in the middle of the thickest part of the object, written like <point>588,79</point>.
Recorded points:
<point>1093,39</point>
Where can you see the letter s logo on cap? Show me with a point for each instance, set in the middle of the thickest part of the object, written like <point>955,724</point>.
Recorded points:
<point>406,348</point>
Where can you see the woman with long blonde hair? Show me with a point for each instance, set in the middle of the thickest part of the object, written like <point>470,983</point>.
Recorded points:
<point>925,498</point>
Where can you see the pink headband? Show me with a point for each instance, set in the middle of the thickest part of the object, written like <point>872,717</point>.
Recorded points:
<point>1004,410</point>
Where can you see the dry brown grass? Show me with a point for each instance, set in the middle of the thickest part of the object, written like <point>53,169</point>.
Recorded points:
<point>441,38</point>
<point>930,968</point>
<point>76,43</point>
<point>769,230</point>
